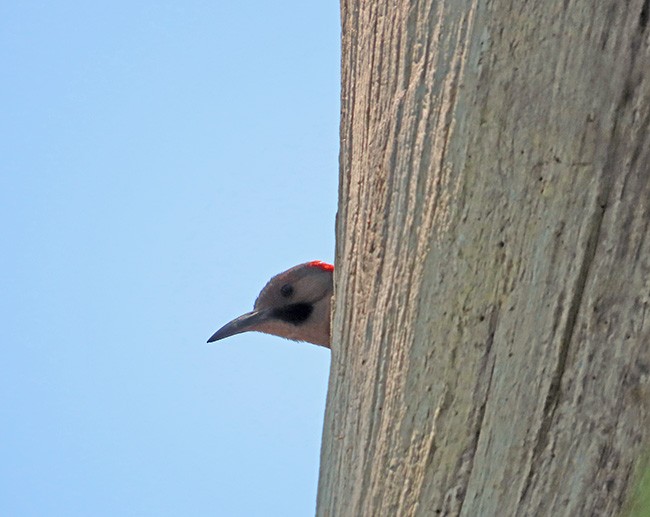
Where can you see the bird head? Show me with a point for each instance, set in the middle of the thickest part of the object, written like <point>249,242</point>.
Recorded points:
<point>294,305</point>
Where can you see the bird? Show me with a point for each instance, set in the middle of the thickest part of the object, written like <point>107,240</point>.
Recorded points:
<point>294,304</point>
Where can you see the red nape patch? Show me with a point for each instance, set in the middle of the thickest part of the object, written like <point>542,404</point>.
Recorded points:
<point>323,265</point>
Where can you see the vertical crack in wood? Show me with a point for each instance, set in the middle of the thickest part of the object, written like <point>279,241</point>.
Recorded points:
<point>601,201</point>
<point>489,361</point>
<point>643,16</point>
<point>555,386</point>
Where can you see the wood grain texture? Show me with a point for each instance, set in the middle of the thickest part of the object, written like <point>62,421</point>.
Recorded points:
<point>491,331</point>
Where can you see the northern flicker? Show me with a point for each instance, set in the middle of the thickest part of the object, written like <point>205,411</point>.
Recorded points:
<point>294,305</point>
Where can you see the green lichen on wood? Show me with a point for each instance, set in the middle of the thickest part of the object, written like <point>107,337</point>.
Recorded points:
<point>640,502</point>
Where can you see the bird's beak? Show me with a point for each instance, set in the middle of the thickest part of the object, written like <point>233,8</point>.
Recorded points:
<point>243,323</point>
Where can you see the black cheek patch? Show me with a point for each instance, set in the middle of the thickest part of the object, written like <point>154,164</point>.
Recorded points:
<point>295,313</point>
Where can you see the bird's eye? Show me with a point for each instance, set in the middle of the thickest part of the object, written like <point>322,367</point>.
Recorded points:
<point>286,290</point>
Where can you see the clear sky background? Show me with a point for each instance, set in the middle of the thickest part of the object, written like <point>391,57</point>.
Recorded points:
<point>159,161</point>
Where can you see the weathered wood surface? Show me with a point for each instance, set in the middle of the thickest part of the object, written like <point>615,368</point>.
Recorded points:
<point>491,332</point>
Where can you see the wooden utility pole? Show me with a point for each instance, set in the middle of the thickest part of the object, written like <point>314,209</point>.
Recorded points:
<point>491,332</point>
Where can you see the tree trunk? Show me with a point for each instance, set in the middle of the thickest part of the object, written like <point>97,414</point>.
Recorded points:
<point>491,331</point>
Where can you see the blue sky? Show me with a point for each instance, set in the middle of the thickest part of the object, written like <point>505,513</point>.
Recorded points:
<point>159,161</point>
